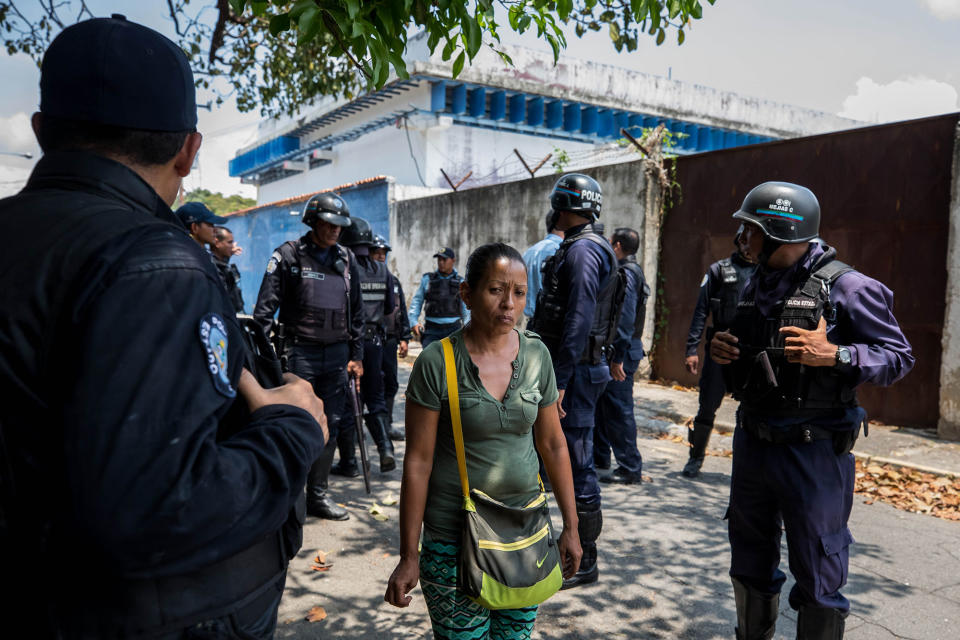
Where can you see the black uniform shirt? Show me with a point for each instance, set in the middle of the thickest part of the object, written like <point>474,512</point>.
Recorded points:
<point>120,357</point>
<point>710,287</point>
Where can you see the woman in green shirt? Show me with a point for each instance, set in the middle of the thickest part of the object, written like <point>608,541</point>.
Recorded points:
<point>507,389</point>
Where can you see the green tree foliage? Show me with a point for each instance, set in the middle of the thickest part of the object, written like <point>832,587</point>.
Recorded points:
<point>281,54</point>
<point>219,203</point>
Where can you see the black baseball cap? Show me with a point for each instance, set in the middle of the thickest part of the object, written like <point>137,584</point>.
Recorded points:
<point>115,72</point>
<point>198,212</point>
<point>445,252</point>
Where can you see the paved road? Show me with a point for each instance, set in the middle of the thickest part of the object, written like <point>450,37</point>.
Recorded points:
<point>663,558</point>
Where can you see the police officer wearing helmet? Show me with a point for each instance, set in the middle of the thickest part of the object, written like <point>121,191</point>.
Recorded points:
<point>397,328</point>
<point>719,293</point>
<point>133,436</point>
<point>439,297</point>
<point>313,286</point>
<point>616,427</point>
<point>576,318</point>
<point>808,330</point>
<point>378,302</point>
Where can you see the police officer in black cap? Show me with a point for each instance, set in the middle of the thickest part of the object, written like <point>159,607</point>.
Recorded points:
<point>576,316</point>
<point>808,330</point>
<point>134,443</point>
<point>313,286</point>
<point>397,327</point>
<point>378,301</point>
<point>719,292</point>
<point>200,221</point>
<point>439,297</point>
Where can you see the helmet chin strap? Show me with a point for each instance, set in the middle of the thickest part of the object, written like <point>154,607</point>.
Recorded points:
<point>769,246</point>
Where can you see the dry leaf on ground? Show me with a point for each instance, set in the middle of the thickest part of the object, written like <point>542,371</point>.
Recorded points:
<point>909,489</point>
<point>389,499</point>
<point>377,512</point>
<point>320,562</point>
<point>316,614</point>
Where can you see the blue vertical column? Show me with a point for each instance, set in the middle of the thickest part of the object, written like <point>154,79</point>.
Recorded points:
<point>498,105</point>
<point>554,114</point>
<point>571,117</point>
<point>477,102</point>
<point>535,111</point>
<point>518,108</point>
<point>588,120</point>
<point>438,95</point>
<point>604,123</point>
<point>458,99</point>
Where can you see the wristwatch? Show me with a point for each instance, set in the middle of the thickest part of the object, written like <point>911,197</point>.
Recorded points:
<point>843,357</point>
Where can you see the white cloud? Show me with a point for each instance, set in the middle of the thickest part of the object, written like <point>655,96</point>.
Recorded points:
<point>914,97</point>
<point>943,9</point>
<point>16,135</point>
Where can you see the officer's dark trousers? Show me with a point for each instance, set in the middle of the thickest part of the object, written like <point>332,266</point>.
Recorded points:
<point>433,331</point>
<point>371,395</point>
<point>616,428</point>
<point>808,488</point>
<point>325,367</point>
<point>257,620</point>
<point>580,399</point>
<point>391,380</point>
<point>711,390</point>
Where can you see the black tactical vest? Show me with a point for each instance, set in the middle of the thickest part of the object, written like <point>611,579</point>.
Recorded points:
<point>723,307</point>
<point>761,378</point>
<point>374,280</point>
<point>553,299</point>
<point>643,293</point>
<point>442,299</point>
<point>317,309</point>
<point>391,322</point>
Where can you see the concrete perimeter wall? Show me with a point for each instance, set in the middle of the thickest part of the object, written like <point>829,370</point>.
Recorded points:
<point>511,212</point>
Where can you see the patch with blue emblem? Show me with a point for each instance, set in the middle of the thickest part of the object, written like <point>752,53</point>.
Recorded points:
<point>213,337</point>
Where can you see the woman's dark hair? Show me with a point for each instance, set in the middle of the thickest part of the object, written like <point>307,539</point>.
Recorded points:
<point>483,256</point>
<point>139,146</point>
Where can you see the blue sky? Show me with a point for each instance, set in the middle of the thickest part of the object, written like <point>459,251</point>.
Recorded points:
<point>877,60</point>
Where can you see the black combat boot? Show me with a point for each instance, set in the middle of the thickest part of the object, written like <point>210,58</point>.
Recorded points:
<point>756,612</point>
<point>378,424</point>
<point>698,437</point>
<point>591,522</point>
<point>392,431</point>
<point>347,445</point>
<point>320,504</point>
<point>820,623</point>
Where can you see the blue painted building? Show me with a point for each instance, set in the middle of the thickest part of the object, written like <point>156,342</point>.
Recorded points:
<point>261,229</point>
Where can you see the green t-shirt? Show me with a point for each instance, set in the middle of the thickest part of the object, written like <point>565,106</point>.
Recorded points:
<point>498,439</point>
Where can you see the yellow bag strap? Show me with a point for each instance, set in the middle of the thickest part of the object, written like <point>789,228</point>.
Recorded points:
<point>453,395</point>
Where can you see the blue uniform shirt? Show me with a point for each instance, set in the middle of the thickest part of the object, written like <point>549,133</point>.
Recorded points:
<point>534,258</point>
<point>865,324</point>
<point>584,269</point>
<point>416,303</point>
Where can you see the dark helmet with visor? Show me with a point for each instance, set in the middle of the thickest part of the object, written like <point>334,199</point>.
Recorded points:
<point>357,234</point>
<point>577,193</point>
<point>379,242</point>
<point>328,207</point>
<point>786,213</point>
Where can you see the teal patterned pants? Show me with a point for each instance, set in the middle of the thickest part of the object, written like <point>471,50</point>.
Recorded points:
<point>453,615</point>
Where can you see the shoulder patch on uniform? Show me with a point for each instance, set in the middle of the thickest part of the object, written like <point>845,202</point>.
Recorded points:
<point>213,338</point>
<point>274,262</point>
<point>705,278</point>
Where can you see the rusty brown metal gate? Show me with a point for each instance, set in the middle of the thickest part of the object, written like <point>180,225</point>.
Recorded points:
<point>885,196</point>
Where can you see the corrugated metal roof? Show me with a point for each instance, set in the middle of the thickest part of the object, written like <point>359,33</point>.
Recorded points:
<point>306,196</point>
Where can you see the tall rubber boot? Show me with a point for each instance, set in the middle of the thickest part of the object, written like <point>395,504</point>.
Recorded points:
<point>591,523</point>
<point>392,431</point>
<point>699,436</point>
<point>820,623</point>
<point>378,425</point>
<point>319,503</point>
<point>347,445</point>
<point>756,612</point>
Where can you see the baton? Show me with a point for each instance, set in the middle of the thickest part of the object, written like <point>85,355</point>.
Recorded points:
<point>358,421</point>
